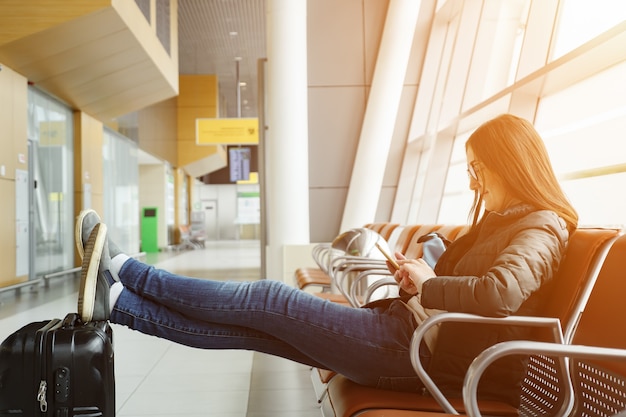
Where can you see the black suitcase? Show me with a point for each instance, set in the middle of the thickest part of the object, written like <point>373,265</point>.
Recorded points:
<point>60,368</point>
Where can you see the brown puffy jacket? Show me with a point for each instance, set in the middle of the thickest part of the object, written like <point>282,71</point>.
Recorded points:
<point>500,268</point>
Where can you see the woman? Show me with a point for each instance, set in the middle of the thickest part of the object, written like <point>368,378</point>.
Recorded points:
<point>521,223</point>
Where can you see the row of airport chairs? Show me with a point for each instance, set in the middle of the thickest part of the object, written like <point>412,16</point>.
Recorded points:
<point>580,372</point>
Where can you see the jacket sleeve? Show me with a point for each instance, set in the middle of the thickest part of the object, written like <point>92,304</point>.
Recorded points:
<point>519,268</point>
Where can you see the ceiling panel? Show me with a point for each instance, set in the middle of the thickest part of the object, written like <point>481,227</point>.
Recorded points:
<point>211,35</point>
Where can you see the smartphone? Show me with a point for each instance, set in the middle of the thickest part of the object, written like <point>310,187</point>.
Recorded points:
<point>393,262</point>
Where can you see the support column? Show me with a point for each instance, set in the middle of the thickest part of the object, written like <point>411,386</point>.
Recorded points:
<point>381,113</point>
<point>287,165</point>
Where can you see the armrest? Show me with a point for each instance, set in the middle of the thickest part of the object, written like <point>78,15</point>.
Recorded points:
<point>343,270</point>
<point>376,285</point>
<point>324,255</point>
<point>343,265</point>
<point>420,331</point>
<point>356,283</point>
<point>516,347</point>
<point>525,347</point>
<point>320,253</point>
<point>340,263</point>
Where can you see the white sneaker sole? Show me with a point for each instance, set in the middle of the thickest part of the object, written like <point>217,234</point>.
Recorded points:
<point>78,231</point>
<point>89,272</point>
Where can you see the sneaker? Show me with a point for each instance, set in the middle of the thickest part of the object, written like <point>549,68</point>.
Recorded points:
<point>86,221</point>
<point>93,294</point>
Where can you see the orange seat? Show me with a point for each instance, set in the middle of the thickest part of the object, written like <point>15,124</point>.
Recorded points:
<point>312,276</point>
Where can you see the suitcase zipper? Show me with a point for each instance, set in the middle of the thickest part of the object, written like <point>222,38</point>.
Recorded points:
<point>43,385</point>
<point>41,396</point>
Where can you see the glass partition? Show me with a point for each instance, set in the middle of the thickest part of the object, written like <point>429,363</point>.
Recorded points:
<point>50,131</point>
<point>121,190</point>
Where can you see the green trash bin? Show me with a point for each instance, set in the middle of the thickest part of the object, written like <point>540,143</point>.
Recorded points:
<point>149,230</point>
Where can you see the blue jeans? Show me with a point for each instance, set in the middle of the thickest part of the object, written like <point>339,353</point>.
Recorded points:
<point>368,345</point>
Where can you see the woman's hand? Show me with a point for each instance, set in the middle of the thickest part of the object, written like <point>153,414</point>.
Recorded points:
<point>412,274</point>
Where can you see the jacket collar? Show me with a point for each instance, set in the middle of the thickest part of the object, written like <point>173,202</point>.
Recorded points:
<point>517,209</point>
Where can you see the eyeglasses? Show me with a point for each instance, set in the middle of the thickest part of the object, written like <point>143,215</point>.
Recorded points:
<point>471,171</point>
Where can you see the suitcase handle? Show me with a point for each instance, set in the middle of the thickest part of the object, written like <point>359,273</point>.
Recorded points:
<point>71,320</point>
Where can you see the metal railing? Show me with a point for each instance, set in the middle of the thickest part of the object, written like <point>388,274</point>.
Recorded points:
<point>44,279</point>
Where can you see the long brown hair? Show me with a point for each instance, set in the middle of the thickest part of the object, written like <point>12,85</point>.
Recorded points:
<point>510,147</point>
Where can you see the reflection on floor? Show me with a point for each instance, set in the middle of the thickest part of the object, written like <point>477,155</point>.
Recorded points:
<point>155,377</point>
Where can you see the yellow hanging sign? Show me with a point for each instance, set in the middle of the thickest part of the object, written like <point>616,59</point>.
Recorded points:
<point>232,131</point>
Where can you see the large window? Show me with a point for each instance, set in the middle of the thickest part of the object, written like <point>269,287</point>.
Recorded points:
<point>582,20</point>
<point>587,146</point>
<point>559,64</point>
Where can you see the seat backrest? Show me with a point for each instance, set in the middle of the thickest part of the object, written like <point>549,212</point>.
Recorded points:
<point>405,238</point>
<point>392,240</point>
<point>586,251</point>
<point>579,269</point>
<point>414,249</point>
<point>387,229</point>
<point>601,323</point>
<point>375,226</point>
<point>450,232</point>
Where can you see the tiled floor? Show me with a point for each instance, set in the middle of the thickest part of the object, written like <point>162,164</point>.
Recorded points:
<point>156,377</point>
